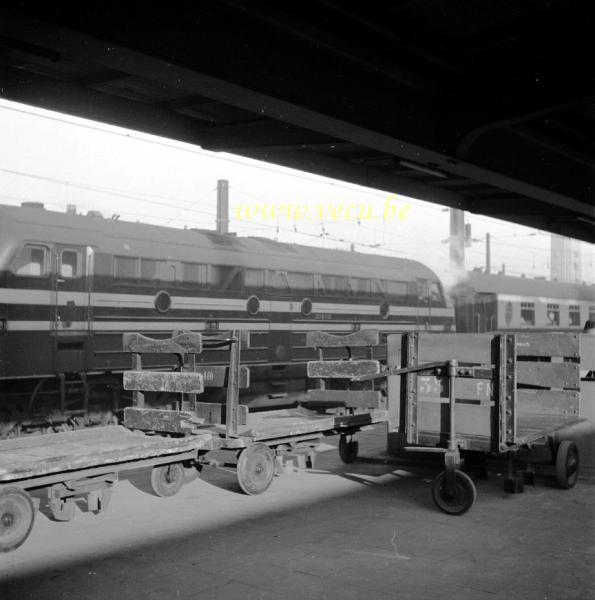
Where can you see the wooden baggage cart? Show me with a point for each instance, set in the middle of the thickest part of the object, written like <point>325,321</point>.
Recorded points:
<point>255,443</point>
<point>483,393</point>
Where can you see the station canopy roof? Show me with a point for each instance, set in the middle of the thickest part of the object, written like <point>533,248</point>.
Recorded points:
<point>485,106</point>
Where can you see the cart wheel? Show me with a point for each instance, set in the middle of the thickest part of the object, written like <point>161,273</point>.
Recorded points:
<point>567,464</point>
<point>462,498</point>
<point>166,480</point>
<point>256,468</point>
<point>348,449</point>
<point>17,514</point>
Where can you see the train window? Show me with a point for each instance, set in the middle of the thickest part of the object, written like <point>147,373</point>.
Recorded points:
<point>254,278</point>
<point>332,284</point>
<point>300,281</point>
<point>226,278</point>
<point>125,267</point>
<point>194,273</point>
<point>358,286</point>
<point>69,264</point>
<point>553,314</point>
<point>396,288</point>
<point>148,269</point>
<point>167,271</point>
<point>527,313</point>
<point>379,287</point>
<point>278,281</point>
<point>31,261</point>
<point>574,315</point>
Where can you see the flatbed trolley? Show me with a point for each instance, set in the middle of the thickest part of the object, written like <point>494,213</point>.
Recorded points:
<point>493,394</point>
<point>82,464</point>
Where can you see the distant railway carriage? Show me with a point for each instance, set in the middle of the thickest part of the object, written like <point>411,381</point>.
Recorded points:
<point>71,284</point>
<point>500,303</point>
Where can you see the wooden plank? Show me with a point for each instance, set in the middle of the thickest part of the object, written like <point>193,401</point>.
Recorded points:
<point>545,374</point>
<point>547,344</point>
<point>473,420</point>
<point>285,423</point>
<point>164,381</point>
<point>548,402</point>
<point>472,348</point>
<point>321,339</point>
<point>536,426</point>
<point>217,376</point>
<point>184,343</point>
<point>213,413</point>
<point>35,456</point>
<point>342,368</point>
<point>166,421</point>
<point>466,388</point>
<point>350,398</point>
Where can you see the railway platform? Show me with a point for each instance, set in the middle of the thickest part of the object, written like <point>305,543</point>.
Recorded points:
<point>368,529</point>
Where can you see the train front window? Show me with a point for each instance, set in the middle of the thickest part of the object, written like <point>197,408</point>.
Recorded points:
<point>574,315</point>
<point>553,314</point>
<point>69,264</point>
<point>527,313</point>
<point>31,261</point>
<point>435,292</point>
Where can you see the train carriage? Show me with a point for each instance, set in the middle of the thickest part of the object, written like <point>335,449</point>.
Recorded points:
<point>503,303</point>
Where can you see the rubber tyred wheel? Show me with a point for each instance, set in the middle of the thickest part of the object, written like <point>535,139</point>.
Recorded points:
<point>567,464</point>
<point>458,500</point>
<point>256,468</point>
<point>348,449</point>
<point>167,480</point>
<point>17,514</point>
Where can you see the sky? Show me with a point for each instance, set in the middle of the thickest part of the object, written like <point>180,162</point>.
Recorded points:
<point>60,160</point>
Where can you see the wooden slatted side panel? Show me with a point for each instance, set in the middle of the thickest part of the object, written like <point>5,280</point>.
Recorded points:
<point>474,411</point>
<point>427,395</point>
<point>547,371</point>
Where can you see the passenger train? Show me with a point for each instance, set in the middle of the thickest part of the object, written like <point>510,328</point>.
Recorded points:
<point>71,284</point>
<point>502,303</point>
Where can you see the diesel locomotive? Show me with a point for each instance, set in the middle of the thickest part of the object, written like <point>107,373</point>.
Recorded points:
<point>71,284</point>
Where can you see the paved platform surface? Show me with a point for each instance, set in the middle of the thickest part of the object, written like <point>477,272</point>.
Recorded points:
<point>360,531</point>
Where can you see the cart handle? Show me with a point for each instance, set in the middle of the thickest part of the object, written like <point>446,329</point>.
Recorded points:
<point>414,369</point>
